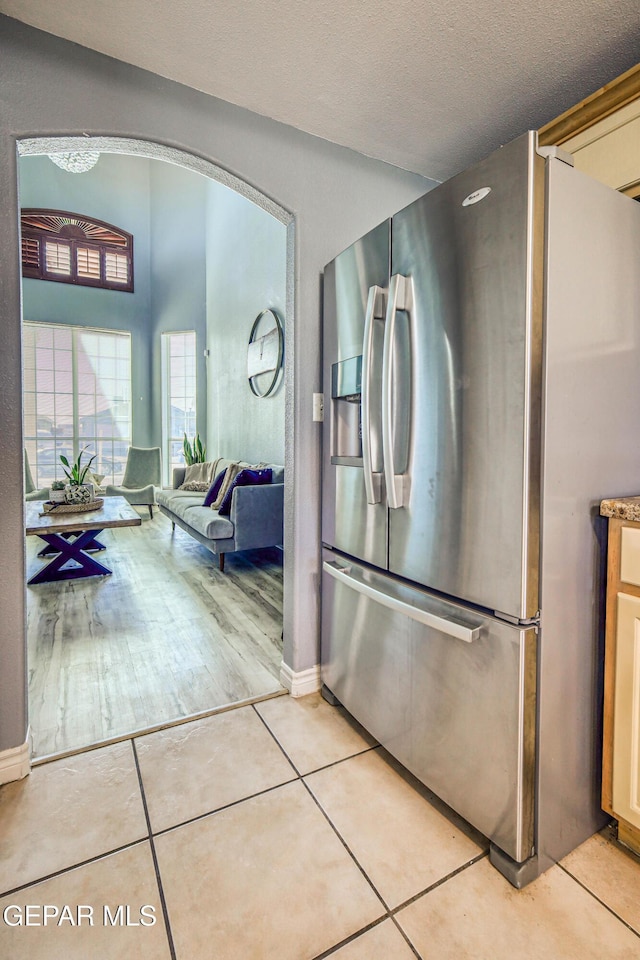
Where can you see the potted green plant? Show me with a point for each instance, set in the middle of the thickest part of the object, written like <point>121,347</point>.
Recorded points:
<point>194,452</point>
<point>77,490</point>
<point>56,491</point>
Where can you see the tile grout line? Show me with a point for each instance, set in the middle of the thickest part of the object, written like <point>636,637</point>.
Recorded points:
<point>324,814</point>
<point>73,866</point>
<point>156,865</point>
<point>330,951</point>
<point>361,932</point>
<point>391,913</point>
<point>346,847</point>
<point>438,883</point>
<point>225,806</point>
<point>336,763</point>
<point>597,898</point>
<point>405,937</point>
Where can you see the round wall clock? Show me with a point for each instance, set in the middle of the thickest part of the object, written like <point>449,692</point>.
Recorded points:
<point>265,353</point>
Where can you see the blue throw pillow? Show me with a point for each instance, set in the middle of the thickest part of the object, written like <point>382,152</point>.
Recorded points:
<point>214,489</point>
<point>246,478</point>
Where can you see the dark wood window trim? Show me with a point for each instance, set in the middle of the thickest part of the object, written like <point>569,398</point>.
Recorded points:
<point>106,252</point>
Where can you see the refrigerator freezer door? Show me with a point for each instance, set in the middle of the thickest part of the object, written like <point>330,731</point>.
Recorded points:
<point>449,692</point>
<point>466,385</point>
<point>354,509</point>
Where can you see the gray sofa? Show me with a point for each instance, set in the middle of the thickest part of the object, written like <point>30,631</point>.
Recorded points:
<point>255,519</point>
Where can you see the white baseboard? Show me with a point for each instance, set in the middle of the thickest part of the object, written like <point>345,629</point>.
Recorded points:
<point>15,763</point>
<point>300,683</point>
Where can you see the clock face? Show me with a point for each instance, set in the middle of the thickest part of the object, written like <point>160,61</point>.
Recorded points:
<point>265,353</point>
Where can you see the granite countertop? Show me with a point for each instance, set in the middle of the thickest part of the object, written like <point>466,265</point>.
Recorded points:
<point>622,508</point>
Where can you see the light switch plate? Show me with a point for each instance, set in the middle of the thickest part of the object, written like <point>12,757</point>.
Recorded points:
<point>318,407</point>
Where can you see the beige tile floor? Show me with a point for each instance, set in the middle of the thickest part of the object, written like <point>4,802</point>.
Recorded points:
<point>280,831</point>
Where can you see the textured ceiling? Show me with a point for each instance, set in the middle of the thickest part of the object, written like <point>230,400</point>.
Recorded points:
<point>429,86</point>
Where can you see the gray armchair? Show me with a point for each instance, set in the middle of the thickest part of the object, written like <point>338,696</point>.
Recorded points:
<point>142,474</point>
<point>30,490</point>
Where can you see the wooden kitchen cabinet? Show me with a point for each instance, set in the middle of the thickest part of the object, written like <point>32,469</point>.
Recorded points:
<point>602,133</point>
<point>621,753</point>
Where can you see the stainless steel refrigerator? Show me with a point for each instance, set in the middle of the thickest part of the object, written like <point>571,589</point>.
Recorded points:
<point>482,394</point>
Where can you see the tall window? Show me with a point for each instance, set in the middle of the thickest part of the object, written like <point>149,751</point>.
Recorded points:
<point>77,393</point>
<point>179,394</point>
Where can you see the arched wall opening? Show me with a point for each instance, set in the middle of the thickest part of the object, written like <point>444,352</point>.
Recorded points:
<point>268,211</point>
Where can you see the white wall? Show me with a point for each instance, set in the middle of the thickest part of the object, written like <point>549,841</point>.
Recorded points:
<point>50,87</point>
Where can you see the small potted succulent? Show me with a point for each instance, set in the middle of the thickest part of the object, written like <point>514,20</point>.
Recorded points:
<point>56,491</point>
<point>77,490</point>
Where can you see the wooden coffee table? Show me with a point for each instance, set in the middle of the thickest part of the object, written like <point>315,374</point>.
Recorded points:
<point>70,535</point>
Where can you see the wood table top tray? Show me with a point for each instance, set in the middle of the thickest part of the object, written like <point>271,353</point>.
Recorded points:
<point>49,506</point>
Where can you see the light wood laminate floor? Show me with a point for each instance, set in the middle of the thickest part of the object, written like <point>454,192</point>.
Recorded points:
<point>166,636</point>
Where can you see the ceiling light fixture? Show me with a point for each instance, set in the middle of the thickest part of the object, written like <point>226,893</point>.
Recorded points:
<point>76,161</point>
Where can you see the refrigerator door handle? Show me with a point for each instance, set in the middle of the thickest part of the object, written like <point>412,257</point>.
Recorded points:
<point>400,298</point>
<point>374,311</point>
<point>461,631</point>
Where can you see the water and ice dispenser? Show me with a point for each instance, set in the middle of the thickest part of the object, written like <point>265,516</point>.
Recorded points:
<point>346,433</point>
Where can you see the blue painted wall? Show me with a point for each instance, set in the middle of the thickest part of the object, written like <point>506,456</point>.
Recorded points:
<point>246,273</point>
<point>178,281</point>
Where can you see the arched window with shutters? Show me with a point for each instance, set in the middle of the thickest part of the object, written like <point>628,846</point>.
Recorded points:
<point>71,248</point>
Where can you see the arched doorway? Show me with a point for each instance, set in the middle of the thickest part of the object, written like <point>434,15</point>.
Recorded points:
<point>157,152</point>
